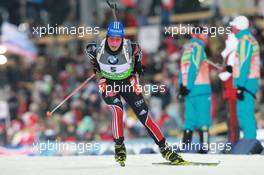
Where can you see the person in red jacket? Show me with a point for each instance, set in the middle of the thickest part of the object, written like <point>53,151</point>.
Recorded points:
<point>229,93</point>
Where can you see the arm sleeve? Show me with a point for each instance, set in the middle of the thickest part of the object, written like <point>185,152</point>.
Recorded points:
<point>91,50</point>
<point>194,66</point>
<point>245,55</point>
<point>137,54</point>
<point>180,78</point>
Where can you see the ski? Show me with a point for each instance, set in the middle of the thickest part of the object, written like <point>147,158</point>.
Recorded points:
<point>187,163</point>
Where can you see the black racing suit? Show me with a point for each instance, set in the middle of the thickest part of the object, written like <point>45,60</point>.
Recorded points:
<point>129,92</point>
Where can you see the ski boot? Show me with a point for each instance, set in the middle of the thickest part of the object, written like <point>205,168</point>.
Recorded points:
<point>174,158</point>
<point>120,154</point>
<point>204,140</point>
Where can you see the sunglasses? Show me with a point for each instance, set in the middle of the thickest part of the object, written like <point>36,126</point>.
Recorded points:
<point>114,40</point>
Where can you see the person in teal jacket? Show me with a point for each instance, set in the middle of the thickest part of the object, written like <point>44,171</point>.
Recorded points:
<point>195,87</point>
<point>246,73</point>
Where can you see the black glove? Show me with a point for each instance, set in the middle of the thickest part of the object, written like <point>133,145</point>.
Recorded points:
<point>240,93</point>
<point>229,69</point>
<point>139,69</point>
<point>91,53</point>
<point>183,91</point>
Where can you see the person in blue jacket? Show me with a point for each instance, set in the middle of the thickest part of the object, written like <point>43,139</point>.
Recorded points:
<point>246,73</point>
<point>195,87</point>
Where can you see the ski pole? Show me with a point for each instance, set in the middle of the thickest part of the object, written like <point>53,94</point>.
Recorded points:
<point>113,7</point>
<point>49,113</point>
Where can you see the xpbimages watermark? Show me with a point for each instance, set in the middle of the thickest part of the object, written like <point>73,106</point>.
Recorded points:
<point>80,31</point>
<point>212,147</point>
<point>57,146</point>
<point>145,89</point>
<point>188,29</point>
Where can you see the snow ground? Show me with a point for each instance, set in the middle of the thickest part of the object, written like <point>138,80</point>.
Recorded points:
<point>135,165</point>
